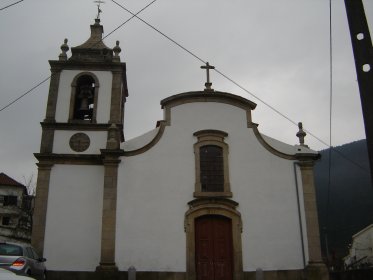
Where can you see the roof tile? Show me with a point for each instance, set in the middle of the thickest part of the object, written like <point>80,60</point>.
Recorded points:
<point>6,180</point>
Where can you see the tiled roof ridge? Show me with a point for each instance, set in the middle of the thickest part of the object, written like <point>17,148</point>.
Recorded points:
<point>6,180</point>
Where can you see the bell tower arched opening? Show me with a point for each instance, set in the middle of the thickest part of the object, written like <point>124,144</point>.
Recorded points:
<point>83,103</point>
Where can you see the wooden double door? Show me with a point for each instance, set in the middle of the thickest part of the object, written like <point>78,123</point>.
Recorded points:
<point>214,248</point>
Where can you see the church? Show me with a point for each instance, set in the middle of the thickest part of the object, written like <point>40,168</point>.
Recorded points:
<point>202,196</point>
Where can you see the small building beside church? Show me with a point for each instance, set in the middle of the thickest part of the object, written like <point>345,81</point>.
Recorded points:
<point>361,250</point>
<point>15,211</point>
<point>204,195</point>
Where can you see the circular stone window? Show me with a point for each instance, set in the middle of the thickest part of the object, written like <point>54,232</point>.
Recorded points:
<point>79,142</point>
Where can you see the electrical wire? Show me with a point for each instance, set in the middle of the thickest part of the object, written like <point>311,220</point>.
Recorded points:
<point>27,92</point>
<point>3,8</point>
<point>215,69</point>
<point>111,32</point>
<point>330,109</point>
<point>160,32</point>
<point>134,15</point>
<point>365,169</point>
<point>330,130</point>
<point>238,85</point>
<point>219,72</point>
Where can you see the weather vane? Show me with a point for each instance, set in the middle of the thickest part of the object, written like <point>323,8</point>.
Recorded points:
<point>99,11</point>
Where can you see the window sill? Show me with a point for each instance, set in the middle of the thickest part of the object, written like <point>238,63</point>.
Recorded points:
<point>212,194</point>
<point>81,121</point>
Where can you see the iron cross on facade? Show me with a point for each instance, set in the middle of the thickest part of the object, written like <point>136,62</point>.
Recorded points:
<point>99,11</point>
<point>208,83</point>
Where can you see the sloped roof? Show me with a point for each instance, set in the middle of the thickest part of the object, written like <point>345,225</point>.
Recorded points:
<point>95,40</point>
<point>5,180</point>
<point>368,228</point>
<point>94,49</point>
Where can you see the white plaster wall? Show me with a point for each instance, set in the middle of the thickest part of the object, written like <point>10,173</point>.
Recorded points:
<point>362,243</point>
<point>73,229</point>
<point>64,95</point>
<point>268,204</point>
<point>155,187</point>
<point>62,139</point>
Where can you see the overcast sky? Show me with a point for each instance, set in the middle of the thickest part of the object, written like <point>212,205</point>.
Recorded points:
<point>276,49</point>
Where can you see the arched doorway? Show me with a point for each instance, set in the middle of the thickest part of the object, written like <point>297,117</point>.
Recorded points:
<point>213,229</point>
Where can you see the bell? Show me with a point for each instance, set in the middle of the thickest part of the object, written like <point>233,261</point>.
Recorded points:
<point>84,105</point>
<point>85,95</point>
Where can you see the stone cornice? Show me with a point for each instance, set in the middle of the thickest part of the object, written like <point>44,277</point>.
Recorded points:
<point>267,146</point>
<point>306,162</point>
<point>148,146</point>
<point>201,96</point>
<point>210,132</point>
<point>212,200</point>
<point>78,126</point>
<point>111,154</point>
<point>301,157</point>
<point>51,158</point>
<point>87,65</point>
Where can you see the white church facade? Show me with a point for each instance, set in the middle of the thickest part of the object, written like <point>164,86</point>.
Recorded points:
<point>202,196</point>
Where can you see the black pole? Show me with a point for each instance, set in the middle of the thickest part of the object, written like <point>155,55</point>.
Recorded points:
<point>363,54</point>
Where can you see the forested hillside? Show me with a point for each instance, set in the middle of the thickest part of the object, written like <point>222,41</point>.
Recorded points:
<point>350,206</point>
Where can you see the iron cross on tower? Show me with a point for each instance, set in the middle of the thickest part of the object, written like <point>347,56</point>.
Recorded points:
<point>208,83</point>
<point>99,11</point>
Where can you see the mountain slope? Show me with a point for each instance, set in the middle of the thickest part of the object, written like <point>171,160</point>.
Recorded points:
<point>350,206</point>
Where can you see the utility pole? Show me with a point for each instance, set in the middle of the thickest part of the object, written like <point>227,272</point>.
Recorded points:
<point>363,54</point>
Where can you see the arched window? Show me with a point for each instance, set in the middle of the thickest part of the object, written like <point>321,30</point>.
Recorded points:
<point>84,98</point>
<point>211,158</point>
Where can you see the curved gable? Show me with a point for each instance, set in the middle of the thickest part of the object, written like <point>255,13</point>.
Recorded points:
<point>201,96</point>
<point>145,142</point>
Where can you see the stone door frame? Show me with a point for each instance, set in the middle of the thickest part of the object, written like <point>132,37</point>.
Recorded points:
<point>213,206</point>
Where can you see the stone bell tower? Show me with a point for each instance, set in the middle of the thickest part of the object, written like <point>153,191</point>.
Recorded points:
<point>83,128</point>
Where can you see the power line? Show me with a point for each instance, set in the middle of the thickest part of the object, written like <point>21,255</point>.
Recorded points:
<point>350,160</point>
<point>27,92</point>
<point>160,32</point>
<point>331,148</point>
<point>219,72</point>
<point>30,90</point>
<point>134,15</point>
<point>3,8</point>
<point>330,129</point>
<point>203,61</point>
<point>238,85</point>
<point>200,59</point>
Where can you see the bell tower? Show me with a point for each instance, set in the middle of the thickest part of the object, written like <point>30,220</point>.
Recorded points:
<point>87,90</point>
<point>83,128</point>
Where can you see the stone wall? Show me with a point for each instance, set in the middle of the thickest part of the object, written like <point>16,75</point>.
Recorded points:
<point>141,275</point>
<point>362,274</point>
